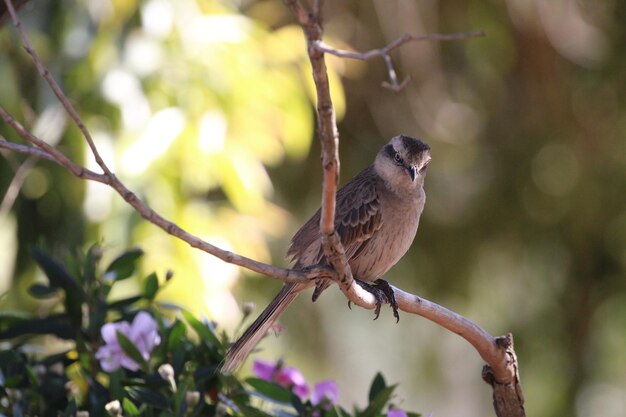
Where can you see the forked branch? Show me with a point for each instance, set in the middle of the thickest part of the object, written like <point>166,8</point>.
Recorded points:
<point>501,371</point>
<point>497,352</point>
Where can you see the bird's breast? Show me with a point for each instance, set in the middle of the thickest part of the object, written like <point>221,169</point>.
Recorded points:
<point>400,219</point>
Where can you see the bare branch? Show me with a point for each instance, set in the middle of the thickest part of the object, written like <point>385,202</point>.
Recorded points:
<point>14,187</point>
<point>502,364</point>
<point>57,155</point>
<point>29,150</point>
<point>386,50</point>
<point>501,372</point>
<point>329,139</point>
<point>45,73</point>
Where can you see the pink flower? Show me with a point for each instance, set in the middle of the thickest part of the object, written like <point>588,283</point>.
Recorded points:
<point>325,393</point>
<point>396,412</point>
<point>285,377</point>
<point>142,333</point>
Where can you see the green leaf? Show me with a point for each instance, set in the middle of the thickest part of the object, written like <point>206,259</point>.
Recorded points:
<point>124,265</point>
<point>42,291</point>
<point>131,350</point>
<point>337,411</point>
<point>124,303</point>
<point>56,273</point>
<point>60,278</point>
<point>71,409</point>
<point>176,336</point>
<point>130,408</point>
<point>249,411</point>
<point>378,384</point>
<point>378,403</point>
<point>151,286</point>
<point>204,332</point>
<point>93,255</point>
<point>59,325</point>
<point>147,396</point>
<point>271,390</point>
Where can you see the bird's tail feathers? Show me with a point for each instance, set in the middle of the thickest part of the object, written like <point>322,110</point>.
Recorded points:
<point>240,350</point>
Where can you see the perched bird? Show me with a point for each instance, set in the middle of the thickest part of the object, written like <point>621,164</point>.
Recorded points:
<point>377,214</point>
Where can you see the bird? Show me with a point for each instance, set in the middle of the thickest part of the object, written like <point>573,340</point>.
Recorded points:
<point>377,216</point>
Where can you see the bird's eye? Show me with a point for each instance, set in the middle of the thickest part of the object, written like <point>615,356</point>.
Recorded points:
<point>397,158</point>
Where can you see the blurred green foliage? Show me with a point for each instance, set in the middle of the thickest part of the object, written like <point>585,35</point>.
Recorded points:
<point>138,357</point>
<point>209,118</point>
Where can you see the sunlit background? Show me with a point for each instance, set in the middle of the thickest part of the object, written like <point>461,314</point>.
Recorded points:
<point>205,109</point>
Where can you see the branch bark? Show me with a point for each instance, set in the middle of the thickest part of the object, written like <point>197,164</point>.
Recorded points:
<point>385,52</point>
<point>501,371</point>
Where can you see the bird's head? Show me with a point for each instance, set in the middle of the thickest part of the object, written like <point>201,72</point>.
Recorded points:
<point>402,163</point>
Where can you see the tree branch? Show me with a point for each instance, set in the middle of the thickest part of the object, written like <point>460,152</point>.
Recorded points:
<point>385,51</point>
<point>43,71</point>
<point>497,352</point>
<point>500,357</point>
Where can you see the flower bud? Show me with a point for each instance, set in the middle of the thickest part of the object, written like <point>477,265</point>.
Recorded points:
<point>114,408</point>
<point>247,308</point>
<point>192,398</point>
<point>167,373</point>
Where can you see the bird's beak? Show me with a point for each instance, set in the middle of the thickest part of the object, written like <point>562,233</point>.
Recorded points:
<point>412,172</point>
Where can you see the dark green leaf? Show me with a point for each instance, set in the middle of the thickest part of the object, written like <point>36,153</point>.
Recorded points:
<point>60,278</point>
<point>176,336</point>
<point>271,390</point>
<point>151,286</point>
<point>42,291</point>
<point>56,273</point>
<point>147,396</point>
<point>59,325</point>
<point>205,373</point>
<point>71,409</point>
<point>248,411</point>
<point>204,332</point>
<point>130,408</point>
<point>378,403</point>
<point>378,384</point>
<point>91,261</point>
<point>124,265</point>
<point>337,411</point>
<point>410,414</point>
<point>131,350</point>
<point>124,303</point>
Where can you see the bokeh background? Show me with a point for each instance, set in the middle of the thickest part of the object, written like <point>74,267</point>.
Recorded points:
<point>205,108</point>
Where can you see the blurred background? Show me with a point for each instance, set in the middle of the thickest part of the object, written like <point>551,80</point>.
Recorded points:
<point>205,109</point>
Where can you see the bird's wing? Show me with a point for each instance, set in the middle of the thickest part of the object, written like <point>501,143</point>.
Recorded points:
<point>357,218</point>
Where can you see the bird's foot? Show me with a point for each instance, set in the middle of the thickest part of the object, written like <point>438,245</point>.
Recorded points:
<point>383,293</point>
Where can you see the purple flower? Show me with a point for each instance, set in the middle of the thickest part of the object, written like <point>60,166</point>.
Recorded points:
<point>286,377</point>
<point>325,393</point>
<point>142,333</point>
<point>264,370</point>
<point>396,412</point>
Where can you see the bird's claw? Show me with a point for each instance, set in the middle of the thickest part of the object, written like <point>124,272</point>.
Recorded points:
<point>383,293</point>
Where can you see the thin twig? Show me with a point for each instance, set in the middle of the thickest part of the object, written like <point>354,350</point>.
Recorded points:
<point>45,73</point>
<point>385,51</point>
<point>16,183</point>
<point>329,140</point>
<point>74,168</point>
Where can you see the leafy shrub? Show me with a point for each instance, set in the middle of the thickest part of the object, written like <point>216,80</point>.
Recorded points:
<point>134,356</point>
